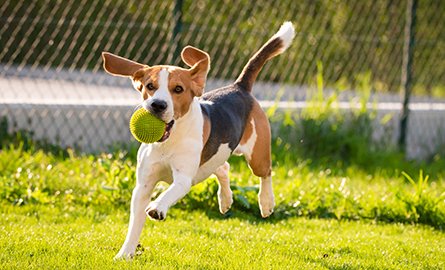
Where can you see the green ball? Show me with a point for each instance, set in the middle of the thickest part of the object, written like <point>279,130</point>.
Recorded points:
<point>145,127</point>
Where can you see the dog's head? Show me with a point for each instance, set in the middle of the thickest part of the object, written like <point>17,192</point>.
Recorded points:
<point>167,91</point>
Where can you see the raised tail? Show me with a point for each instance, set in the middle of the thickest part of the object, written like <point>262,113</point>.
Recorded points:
<point>277,44</point>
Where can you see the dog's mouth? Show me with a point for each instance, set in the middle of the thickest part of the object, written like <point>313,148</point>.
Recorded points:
<point>167,131</point>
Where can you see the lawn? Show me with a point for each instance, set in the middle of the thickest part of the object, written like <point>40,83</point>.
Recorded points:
<point>36,237</point>
<point>67,210</point>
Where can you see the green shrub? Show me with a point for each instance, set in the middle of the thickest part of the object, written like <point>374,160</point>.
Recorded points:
<point>322,131</point>
<point>104,182</point>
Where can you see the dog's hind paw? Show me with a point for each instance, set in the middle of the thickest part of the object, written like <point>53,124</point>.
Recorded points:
<point>266,212</point>
<point>267,203</point>
<point>225,201</point>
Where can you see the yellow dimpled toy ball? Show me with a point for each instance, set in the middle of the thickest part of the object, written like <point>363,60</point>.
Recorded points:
<point>145,127</point>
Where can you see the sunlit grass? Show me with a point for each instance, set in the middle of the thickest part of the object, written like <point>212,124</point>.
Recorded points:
<point>40,237</point>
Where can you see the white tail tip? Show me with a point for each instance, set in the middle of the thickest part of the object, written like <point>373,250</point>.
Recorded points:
<point>286,34</point>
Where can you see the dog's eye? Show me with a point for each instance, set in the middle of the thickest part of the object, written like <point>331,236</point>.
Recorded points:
<point>150,86</point>
<point>178,89</point>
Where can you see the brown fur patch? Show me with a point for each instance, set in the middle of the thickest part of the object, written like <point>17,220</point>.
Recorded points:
<point>260,161</point>
<point>206,131</point>
<point>247,131</point>
<point>205,136</point>
<point>181,77</point>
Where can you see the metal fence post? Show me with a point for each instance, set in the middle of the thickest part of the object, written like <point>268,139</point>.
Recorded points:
<point>406,79</point>
<point>176,42</point>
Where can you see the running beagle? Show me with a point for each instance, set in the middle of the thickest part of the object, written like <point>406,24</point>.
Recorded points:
<point>202,131</point>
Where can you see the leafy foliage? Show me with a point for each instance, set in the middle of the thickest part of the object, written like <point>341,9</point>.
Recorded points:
<point>104,182</point>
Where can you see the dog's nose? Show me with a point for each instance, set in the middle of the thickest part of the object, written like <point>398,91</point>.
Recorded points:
<point>158,105</point>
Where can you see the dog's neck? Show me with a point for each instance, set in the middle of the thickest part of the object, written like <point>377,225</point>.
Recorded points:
<point>190,125</point>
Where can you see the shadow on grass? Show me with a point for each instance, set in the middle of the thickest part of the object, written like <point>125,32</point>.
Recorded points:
<point>281,214</point>
<point>408,207</point>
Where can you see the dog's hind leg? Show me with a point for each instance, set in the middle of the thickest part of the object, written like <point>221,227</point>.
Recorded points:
<point>260,163</point>
<point>256,150</point>
<point>225,199</point>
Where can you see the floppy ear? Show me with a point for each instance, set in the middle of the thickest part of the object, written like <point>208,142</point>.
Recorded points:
<point>137,78</point>
<point>120,66</point>
<point>191,55</point>
<point>199,61</point>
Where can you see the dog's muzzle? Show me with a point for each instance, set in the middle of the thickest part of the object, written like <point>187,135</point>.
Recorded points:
<point>158,106</point>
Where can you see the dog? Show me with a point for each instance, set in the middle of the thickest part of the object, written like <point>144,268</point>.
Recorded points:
<point>202,131</point>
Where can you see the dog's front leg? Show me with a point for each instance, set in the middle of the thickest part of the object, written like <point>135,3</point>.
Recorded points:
<point>179,188</point>
<point>139,200</point>
<point>145,182</point>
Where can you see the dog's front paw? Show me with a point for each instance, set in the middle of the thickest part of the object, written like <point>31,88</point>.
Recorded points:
<point>127,252</point>
<point>155,212</point>
<point>124,255</point>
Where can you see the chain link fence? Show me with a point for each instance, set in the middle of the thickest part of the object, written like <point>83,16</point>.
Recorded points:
<point>52,82</point>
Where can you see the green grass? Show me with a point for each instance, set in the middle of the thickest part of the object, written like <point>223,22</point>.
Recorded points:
<point>40,237</point>
<point>71,211</point>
